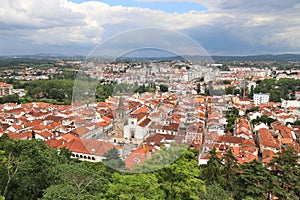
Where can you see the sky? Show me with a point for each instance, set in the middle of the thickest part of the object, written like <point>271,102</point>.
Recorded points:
<point>221,27</point>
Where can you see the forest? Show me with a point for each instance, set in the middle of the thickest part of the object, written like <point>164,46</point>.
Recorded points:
<point>31,170</point>
<point>283,88</point>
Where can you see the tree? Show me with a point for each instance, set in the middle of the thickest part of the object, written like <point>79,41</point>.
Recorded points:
<point>177,171</point>
<point>64,191</point>
<point>277,94</point>
<point>215,192</point>
<point>134,187</point>
<point>161,159</point>
<point>65,153</point>
<point>113,159</point>
<point>265,86</point>
<point>77,179</point>
<point>181,179</point>
<point>264,118</point>
<point>163,88</point>
<point>230,90</point>
<point>29,163</point>
<point>253,181</point>
<point>57,94</point>
<point>231,115</point>
<point>198,88</point>
<point>229,169</point>
<point>251,91</point>
<point>212,173</point>
<point>287,170</point>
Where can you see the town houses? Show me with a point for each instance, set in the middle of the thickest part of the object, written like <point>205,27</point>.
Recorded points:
<point>198,110</point>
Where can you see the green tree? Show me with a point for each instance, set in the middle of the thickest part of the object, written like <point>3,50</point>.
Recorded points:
<point>181,179</point>
<point>265,86</point>
<point>286,169</point>
<point>215,192</point>
<point>65,191</point>
<point>163,157</point>
<point>253,180</point>
<point>198,88</point>
<point>113,159</point>
<point>29,163</point>
<point>76,180</point>
<point>230,90</point>
<point>277,94</point>
<point>211,172</point>
<point>264,118</point>
<point>229,169</point>
<point>163,88</point>
<point>134,187</point>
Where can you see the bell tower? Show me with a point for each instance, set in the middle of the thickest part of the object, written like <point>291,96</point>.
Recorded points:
<point>120,119</point>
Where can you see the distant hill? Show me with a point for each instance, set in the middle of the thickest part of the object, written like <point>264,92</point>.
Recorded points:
<point>45,56</point>
<point>282,58</point>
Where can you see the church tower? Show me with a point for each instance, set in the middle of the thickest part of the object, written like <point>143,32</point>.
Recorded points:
<point>120,119</point>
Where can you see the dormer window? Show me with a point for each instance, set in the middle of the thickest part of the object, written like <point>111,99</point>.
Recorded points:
<point>136,160</point>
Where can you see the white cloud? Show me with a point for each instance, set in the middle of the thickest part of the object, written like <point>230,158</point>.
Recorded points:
<point>260,24</point>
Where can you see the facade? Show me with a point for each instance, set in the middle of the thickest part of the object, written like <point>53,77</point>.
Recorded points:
<point>5,89</point>
<point>261,98</point>
<point>120,120</point>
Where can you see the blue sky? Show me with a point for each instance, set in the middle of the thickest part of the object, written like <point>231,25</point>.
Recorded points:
<point>222,27</point>
<point>179,7</point>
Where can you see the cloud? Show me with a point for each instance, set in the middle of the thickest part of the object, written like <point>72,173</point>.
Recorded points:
<point>226,27</point>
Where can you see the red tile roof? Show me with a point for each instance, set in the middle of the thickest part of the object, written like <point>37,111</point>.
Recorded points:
<point>138,156</point>
<point>81,130</point>
<point>231,139</point>
<point>92,147</point>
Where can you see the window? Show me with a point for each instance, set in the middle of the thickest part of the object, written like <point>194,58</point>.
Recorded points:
<point>136,160</point>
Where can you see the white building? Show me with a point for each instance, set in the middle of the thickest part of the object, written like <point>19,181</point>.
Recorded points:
<point>261,98</point>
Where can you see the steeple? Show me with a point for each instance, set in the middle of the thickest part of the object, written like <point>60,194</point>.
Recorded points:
<point>120,119</point>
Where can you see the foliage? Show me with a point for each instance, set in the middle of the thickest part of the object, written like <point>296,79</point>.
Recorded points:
<point>134,187</point>
<point>211,172</point>
<point>163,157</point>
<point>30,170</point>
<point>233,90</point>
<point>163,88</point>
<point>28,166</point>
<point>231,114</point>
<point>283,88</point>
<point>264,118</point>
<point>252,110</point>
<point>59,90</point>
<point>229,169</point>
<point>215,192</point>
<point>13,98</point>
<point>286,169</point>
<point>181,179</point>
<point>113,159</point>
<point>253,181</point>
<point>143,89</point>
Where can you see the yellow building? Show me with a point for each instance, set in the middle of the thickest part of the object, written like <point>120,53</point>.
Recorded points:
<point>5,89</point>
